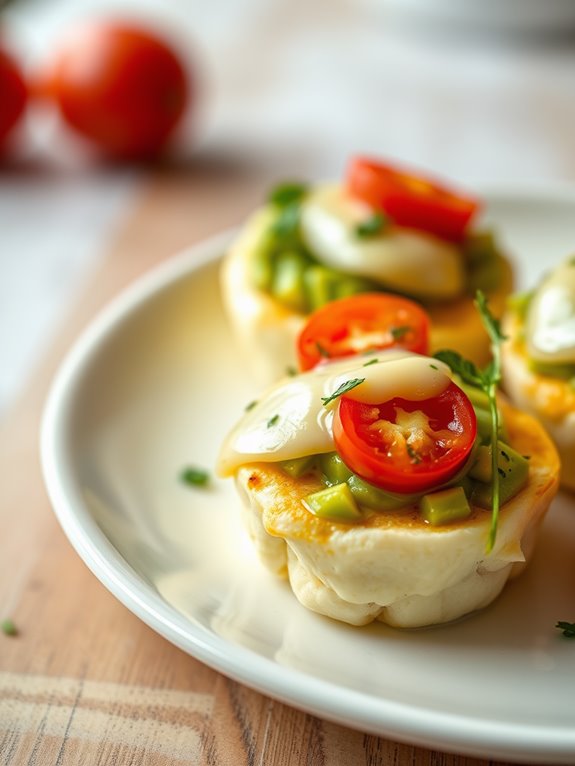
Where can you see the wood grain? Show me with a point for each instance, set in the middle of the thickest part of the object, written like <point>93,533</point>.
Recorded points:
<point>84,681</point>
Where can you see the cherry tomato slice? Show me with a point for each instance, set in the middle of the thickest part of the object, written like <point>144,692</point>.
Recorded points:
<point>406,446</point>
<point>359,323</point>
<point>411,201</point>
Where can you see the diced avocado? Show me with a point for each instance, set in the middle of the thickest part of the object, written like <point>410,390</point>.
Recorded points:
<point>261,264</point>
<point>378,499</point>
<point>333,468</point>
<point>445,506</point>
<point>320,285</point>
<point>335,503</point>
<point>481,469</point>
<point>288,279</point>
<point>347,285</point>
<point>298,466</point>
<point>563,371</point>
<point>484,425</point>
<point>513,471</point>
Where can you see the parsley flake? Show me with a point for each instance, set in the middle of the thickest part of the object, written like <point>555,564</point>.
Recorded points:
<point>9,627</point>
<point>397,333</point>
<point>414,455</point>
<point>568,628</point>
<point>291,372</point>
<point>341,390</point>
<point>322,350</point>
<point>371,226</point>
<point>273,420</point>
<point>194,476</point>
<point>251,405</point>
<point>371,361</point>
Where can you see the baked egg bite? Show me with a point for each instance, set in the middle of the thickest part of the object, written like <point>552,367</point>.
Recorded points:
<point>538,359</point>
<point>367,482</point>
<point>381,229</point>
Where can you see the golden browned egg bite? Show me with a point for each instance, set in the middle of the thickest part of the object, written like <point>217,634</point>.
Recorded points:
<point>539,359</point>
<point>368,482</point>
<point>381,229</point>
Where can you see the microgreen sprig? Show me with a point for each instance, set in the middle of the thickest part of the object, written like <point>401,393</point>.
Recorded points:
<point>487,379</point>
<point>568,628</point>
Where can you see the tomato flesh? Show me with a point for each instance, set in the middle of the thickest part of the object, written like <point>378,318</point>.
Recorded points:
<point>406,446</point>
<point>360,323</point>
<point>411,201</point>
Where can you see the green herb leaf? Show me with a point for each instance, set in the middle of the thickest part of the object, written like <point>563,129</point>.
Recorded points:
<point>397,333</point>
<point>568,628</point>
<point>341,390</point>
<point>373,225</point>
<point>291,372</point>
<point>251,405</point>
<point>288,193</point>
<point>194,476</point>
<point>273,420</point>
<point>414,455</point>
<point>487,380</point>
<point>371,361</point>
<point>287,223</point>
<point>8,627</point>
<point>322,351</point>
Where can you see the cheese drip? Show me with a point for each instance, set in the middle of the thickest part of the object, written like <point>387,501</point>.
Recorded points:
<point>290,419</point>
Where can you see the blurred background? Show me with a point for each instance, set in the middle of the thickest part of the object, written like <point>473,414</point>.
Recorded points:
<point>481,93</point>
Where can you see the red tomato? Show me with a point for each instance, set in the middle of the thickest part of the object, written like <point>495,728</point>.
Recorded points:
<point>13,95</point>
<point>120,87</point>
<point>363,322</point>
<point>411,201</point>
<point>414,447</point>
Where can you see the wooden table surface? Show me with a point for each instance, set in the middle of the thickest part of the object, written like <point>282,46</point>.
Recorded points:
<point>84,681</point>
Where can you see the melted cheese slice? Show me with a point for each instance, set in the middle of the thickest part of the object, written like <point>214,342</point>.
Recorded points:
<point>290,420</point>
<point>405,260</point>
<point>550,327</point>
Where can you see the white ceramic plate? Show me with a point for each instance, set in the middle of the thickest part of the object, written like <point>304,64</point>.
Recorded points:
<point>153,385</point>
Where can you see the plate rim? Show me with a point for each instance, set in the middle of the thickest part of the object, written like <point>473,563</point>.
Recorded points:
<point>408,723</point>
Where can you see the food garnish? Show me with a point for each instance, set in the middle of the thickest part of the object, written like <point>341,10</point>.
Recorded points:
<point>194,476</point>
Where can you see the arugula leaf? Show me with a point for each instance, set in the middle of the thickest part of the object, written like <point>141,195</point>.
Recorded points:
<point>343,389</point>
<point>486,379</point>
<point>568,628</point>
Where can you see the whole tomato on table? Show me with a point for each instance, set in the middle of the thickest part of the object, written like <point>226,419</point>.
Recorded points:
<point>119,86</point>
<point>13,95</point>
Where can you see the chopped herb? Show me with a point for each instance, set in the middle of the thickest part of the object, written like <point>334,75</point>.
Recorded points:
<point>287,194</point>
<point>371,226</point>
<point>291,371</point>
<point>9,628</point>
<point>371,361</point>
<point>322,350</point>
<point>486,379</point>
<point>434,367</point>
<point>251,405</point>
<point>397,333</point>
<point>273,420</point>
<point>194,476</point>
<point>568,628</point>
<point>343,389</point>
<point>413,454</point>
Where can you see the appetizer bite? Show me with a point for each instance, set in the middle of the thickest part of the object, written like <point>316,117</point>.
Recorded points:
<point>380,230</point>
<point>390,485</point>
<point>539,359</point>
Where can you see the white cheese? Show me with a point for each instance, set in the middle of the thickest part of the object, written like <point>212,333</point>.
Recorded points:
<point>290,419</point>
<point>406,260</point>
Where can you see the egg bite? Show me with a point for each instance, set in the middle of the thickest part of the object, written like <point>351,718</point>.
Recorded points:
<point>310,245</point>
<point>408,560</point>
<point>538,359</point>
